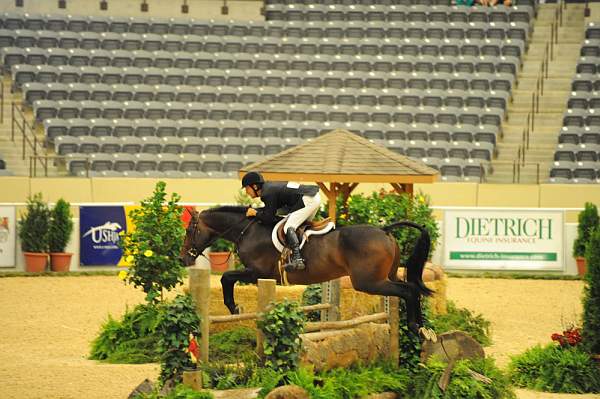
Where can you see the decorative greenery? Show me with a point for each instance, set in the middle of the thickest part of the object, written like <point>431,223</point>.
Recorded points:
<point>409,343</point>
<point>130,340</point>
<point>177,320</point>
<point>383,208</point>
<point>229,375</point>
<point>232,344</point>
<point>591,295</point>
<point>61,226</point>
<point>462,384</point>
<point>588,220</point>
<point>555,369</point>
<point>221,245</point>
<point>312,295</point>
<point>33,225</point>
<point>281,326</point>
<point>180,392</point>
<point>463,320</point>
<point>152,249</point>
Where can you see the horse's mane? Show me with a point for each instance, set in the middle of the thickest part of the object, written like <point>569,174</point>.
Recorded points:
<point>228,209</point>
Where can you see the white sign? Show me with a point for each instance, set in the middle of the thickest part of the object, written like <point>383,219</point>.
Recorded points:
<point>503,239</point>
<point>7,236</point>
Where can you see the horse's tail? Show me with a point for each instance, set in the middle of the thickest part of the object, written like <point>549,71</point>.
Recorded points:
<point>416,261</point>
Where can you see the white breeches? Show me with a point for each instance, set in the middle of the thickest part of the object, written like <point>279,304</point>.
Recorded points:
<point>311,207</point>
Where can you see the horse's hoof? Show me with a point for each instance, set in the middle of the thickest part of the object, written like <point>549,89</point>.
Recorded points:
<point>428,334</point>
<point>236,310</point>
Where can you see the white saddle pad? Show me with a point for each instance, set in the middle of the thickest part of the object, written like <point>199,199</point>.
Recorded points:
<point>307,233</point>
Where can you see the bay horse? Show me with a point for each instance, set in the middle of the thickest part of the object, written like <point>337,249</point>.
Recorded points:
<point>369,255</point>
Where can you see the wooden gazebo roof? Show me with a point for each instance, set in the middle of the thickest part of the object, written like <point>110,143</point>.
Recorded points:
<point>343,159</point>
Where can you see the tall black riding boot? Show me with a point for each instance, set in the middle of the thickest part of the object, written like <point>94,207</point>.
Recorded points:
<point>296,261</point>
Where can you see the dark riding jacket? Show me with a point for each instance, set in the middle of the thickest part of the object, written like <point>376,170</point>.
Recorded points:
<point>281,198</point>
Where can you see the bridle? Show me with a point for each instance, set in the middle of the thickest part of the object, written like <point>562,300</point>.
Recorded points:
<point>193,252</point>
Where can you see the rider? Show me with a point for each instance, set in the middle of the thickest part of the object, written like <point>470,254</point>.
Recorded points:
<point>301,202</point>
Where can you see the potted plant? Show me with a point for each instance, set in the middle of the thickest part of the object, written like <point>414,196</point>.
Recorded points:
<point>588,220</point>
<point>220,254</point>
<point>59,234</point>
<point>33,233</point>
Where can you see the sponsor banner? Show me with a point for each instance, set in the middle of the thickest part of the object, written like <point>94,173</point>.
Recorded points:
<point>99,229</point>
<point>503,239</point>
<point>7,236</point>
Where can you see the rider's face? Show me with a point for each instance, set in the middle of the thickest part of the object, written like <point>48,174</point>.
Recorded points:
<point>251,193</point>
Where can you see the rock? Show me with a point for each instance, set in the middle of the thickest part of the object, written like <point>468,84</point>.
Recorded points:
<point>288,392</point>
<point>167,387</point>
<point>146,386</point>
<point>383,395</point>
<point>452,345</point>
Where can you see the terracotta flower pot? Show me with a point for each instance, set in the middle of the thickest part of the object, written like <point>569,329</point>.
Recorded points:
<point>35,262</point>
<point>219,261</point>
<point>60,261</point>
<point>581,265</point>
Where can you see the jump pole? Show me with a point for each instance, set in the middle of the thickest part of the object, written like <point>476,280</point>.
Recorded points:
<point>266,295</point>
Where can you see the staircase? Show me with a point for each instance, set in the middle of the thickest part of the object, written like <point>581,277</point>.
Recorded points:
<point>12,148</point>
<point>536,155</point>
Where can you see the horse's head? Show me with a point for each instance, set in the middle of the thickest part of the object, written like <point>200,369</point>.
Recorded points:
<point>197,239</point>
<point>207,226</point>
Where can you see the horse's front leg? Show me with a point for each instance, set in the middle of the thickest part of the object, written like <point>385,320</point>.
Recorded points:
<point>228,281</point>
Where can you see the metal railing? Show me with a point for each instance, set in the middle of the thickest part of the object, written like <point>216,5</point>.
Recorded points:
<point>20,125</point>
<point>1,101</point>
<point>36,160</point>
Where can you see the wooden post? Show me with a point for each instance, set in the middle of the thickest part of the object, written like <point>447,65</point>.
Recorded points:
<point>200,290</point>
<point>393,321</point>
<point>330,292</point>
<point>193,379</point>
<point>266,295</point>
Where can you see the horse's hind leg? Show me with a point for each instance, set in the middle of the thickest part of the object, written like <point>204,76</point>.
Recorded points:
<point>399,289</point>
<point>228,281</point>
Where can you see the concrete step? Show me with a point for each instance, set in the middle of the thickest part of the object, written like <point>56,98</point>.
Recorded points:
<point>555,84</point>
<point>520,119</point>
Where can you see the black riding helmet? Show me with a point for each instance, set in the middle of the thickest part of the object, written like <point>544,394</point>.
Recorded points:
<point>252,178</point>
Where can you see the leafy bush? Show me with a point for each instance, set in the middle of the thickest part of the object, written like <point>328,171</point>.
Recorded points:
<point>130,340</point>
<point>177,320</point>
<point>463,320</point>
<point>152,249</point>
<point>232,344</point>
<point>180,392</point>
<point>409,343</point>
<point>555,369</point>
<point>591,295</point>
<point>588,220</point>
<point>227,375</point>
<point>383,208</point>
<point>312,295</point>
<point>33,225</point>
<point>221,245</point>
<point>281,326</point>
<point>462,384</point>
<point>61,226</point>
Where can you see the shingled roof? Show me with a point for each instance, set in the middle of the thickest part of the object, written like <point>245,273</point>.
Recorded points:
<point>344,157</point>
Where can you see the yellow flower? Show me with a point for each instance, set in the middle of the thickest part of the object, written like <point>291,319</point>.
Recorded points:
<point>421,199</point>
<point>129,259</point>
<point>122,233</point>
<point>123,275</point>
<point>148,253</point>
<point>343,216</point>
<point>349,199</point>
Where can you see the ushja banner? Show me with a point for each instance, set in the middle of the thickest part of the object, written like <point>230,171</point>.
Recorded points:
<point>7,236</point>
<point>503,239</point>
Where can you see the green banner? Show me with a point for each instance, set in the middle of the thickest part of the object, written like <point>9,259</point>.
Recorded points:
<point>538,256</point>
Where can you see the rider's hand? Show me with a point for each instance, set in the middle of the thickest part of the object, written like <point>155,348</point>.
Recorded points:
<point>251,212</point>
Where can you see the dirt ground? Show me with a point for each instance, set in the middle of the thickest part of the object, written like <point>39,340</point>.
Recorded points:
<point>47,324</point>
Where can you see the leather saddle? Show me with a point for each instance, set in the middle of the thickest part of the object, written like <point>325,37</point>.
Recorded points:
<point>308,225</point>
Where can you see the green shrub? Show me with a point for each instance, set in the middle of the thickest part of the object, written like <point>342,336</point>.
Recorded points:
<point>312,295</point>
<point>231,374</point>
<point>462,384</point>
<point>221,245</point>
<point>33,225</point>
<point>232,344</point>
<point>410,344</point>
<point>555,369</point>
<point>180,392</point>
<point>588,220</point>
<point>177,320</point>
<point>61,226</point>
<point>281,326</point>
<point>383,208</point>
<point>591,295</point>
<point>463,320</point>
<point>129,340</point>
<point>153,248</point>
